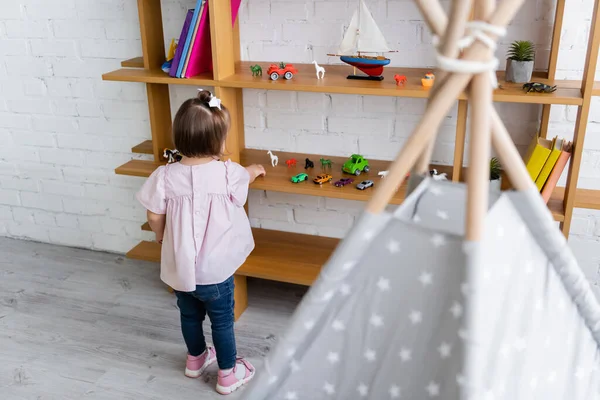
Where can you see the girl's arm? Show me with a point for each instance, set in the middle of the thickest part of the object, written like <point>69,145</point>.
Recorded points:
<point>157,224</point>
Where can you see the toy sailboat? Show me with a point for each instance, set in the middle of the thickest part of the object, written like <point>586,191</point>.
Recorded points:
<point>364,36</point>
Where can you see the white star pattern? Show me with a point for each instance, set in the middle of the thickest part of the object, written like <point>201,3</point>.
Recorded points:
<point>370,355</point>
<point>338,325</point>
<point>445,350</point>
<point>500,231</point>
<point>462,333</point>
<point>345,289</point>
<point>291,396</point>
<point>394,392</point>
<point>504,350</point>
<point>333,358</point>
<point>290,352</point>
<point>533,383</point>
<point>376,320</point>
<point>551,377</point>
<point>309,324</point>
<point>416,317</point>
<point>272,380</point>
<point>436,191</point>
<point>539,305</point>
<point>460,380</point>
<point>329,388</point>
<point>405,354</point>
<point>529,267</point>
<point>393,246</point>
<point>433,389</point>
<point>464,289</point>
<point>562,305</point>
<point>294,366</point>
<point>328,295</point>
<point>520,344</point>
<point>363,390</point>
<point>425,278</point>
<point>442,214</point>
<point>416,219</point>
<point>580,373</point>
<point>489,395</point>
<point>383,284</point>
<point>438,240</point>
<point>456,310</point>
<point>368,235</point>
<point>349,265</point>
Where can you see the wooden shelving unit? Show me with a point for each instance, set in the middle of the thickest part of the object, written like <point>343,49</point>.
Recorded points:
<point>297,258</point>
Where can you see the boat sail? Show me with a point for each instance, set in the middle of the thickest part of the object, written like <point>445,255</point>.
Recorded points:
<point>364,36</point>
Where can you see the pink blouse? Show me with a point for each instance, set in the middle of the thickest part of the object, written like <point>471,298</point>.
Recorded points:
<point>207,233</point>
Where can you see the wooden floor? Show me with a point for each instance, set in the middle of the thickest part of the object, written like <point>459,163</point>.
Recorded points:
<point>77,324</point>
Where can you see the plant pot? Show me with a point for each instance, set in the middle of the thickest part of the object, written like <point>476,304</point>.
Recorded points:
<point>518,71</point>
<point>495,185</point>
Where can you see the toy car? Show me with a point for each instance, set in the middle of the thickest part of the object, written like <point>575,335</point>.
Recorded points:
<point>355,165</point>
<point>323,178</point>
<point>300,177</point>
<point>365,185</point>
<point>275,71</point>
<point>343,182</point>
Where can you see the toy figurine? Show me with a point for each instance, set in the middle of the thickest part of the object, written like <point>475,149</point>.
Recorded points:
<point>309,164</point>
<point>321,179</point>
<point>355,165</point>
<point>256,70</point>
<point>299,178</point>
<point>538,87</point>
<point>319,70</point>
<point>291,162</point>
<point>400,79</point>
<point>383,174</point>
<point>365,185</point>
<point>275,71</point>
<point>172,156</point>
<point>274,158</point>
<point>437,176</point>
<point>428,80</point>
<point>325,162</point>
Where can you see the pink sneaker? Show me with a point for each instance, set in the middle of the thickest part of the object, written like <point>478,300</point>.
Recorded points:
<point>241,374</point>
<point>195,366</point>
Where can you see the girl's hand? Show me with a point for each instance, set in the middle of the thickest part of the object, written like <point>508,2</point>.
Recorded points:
<point>255,170</point>
<point>159,238</point>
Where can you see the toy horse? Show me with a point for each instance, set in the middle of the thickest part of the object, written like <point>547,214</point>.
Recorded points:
<point>172,156</point>
<point>274,158</point>
<point>291,162</point>
<point>309,164</point>
<point>400,79</point>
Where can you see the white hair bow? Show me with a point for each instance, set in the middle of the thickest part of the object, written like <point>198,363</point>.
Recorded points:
<point>214,101</point>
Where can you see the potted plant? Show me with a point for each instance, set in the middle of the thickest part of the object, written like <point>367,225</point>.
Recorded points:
<point>495,174</point>
<point>519,64</point>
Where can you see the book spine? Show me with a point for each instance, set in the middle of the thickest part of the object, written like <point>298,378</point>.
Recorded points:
<point>180,44</point>
<point>188,39</point>
<point>557,171</point>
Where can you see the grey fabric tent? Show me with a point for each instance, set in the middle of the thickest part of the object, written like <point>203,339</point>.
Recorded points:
<point>460,293</point>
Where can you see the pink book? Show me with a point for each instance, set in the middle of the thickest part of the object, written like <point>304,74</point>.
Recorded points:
<point>201,54</point>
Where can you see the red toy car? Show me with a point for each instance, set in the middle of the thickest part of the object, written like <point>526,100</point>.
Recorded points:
<point>275,71</point>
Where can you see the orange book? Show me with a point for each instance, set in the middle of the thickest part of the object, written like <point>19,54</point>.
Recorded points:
<point>559,167</point>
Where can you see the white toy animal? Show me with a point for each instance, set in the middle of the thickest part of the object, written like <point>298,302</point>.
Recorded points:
<point>274,158</point>
<point>383,174</point>
<point>319,70</point>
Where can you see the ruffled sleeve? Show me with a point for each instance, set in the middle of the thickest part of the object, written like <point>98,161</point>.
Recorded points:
<point>152,194</point>
<point>238,180</point>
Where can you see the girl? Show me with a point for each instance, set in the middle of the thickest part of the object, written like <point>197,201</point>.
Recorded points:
<point>195,208</point>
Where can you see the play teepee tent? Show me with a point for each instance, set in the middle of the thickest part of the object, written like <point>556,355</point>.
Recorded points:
<point>458,294</point>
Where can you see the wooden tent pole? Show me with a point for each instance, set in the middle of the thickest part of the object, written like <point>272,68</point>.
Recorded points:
<point>448,47</point>
<point>480,140</point>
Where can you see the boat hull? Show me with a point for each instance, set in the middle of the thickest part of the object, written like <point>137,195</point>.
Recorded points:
<point>370,66</point>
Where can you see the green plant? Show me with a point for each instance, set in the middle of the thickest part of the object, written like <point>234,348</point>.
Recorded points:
<point>521,50</point>
<point>495,169</point>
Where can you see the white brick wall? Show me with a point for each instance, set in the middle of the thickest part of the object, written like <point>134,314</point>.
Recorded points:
<point>64,130</point>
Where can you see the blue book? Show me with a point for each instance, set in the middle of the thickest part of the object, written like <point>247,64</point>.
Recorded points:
<point>180,44</point>
<point>186,48</point>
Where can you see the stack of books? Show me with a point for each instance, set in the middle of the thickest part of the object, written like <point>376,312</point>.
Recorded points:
<point>193,55</point>
<point>546,160</point>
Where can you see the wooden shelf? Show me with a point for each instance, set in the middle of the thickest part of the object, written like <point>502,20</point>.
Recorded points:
<point>278,256</point>
<point>584,198</point>
<point>137,168</point>
<point>278,179</point>
<point>335,82</point>
<point>143,148</point>
<point>136,62</point>
<point>156,76</point>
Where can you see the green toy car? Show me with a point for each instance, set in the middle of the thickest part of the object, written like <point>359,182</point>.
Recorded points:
<point>356,164</point>
<point>300,177</point>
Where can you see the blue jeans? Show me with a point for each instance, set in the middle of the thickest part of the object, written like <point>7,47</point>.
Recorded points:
<point>216,301</point>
